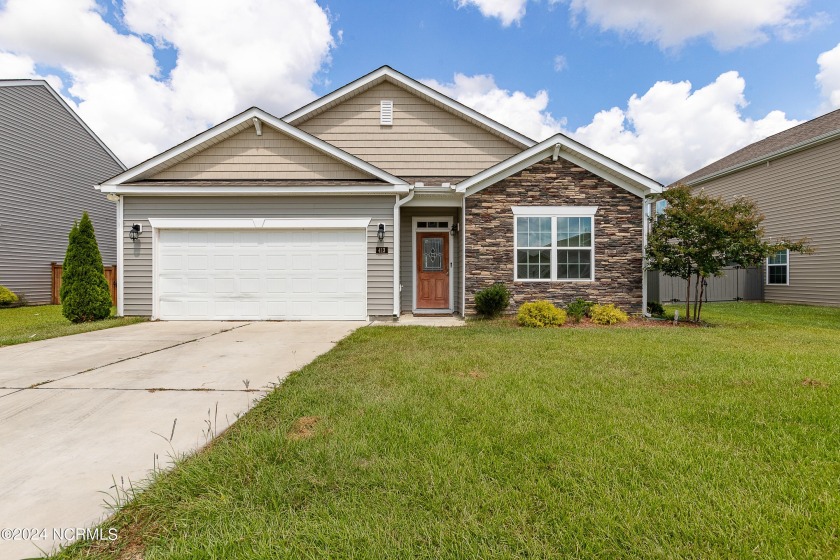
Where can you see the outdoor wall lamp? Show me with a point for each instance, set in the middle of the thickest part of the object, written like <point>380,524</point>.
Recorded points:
<point>456,227</point>
<point>380,233</point>
<point>135,231</point>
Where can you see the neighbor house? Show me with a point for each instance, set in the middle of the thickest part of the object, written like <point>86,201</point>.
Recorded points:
<point>794,178</point>
<point>49,161</point>
<point>381,198</point>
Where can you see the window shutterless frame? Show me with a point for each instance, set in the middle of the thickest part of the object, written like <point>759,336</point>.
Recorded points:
<point>553,213</point>
<point>777,269</point>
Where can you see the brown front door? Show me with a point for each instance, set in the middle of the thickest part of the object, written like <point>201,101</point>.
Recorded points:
<point>433,270</point>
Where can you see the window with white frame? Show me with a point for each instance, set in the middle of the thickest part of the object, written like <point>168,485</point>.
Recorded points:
<point>777,267</point>
<point>554,243</point>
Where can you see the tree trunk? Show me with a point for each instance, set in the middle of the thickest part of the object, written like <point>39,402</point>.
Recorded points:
<point>696,294</point>
<point>702,293</point>
<point>688,295</point>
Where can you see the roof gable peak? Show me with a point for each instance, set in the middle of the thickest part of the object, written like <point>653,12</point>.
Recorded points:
<point>386,73</point>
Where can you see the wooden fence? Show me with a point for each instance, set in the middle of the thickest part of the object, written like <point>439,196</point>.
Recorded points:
<point>110,277</point>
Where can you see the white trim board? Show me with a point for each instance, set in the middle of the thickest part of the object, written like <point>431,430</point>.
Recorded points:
<point>560,145</point>
<point>120,258</point>
<point>252,190</point>
<point>451,263</point>
<point>551,211</point>
<point>245,119</point>
<point>259,223</point>
<point>386,73</point>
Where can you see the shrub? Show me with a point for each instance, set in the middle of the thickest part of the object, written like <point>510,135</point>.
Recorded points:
<point>608,314</point>
<point>540,313</point>
<point>655,308</point>
<point>7,297</point>
<point>579,308</point>
<point>84,290</point>
<point>493,300</point>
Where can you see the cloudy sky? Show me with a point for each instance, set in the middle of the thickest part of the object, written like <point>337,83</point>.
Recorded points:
<point>664,86</point>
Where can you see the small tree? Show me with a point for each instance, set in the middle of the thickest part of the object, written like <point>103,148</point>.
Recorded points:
<point>84,291</point>
<point>699,235</point>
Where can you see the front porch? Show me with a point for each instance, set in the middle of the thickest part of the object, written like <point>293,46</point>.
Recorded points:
<point>430,267</point>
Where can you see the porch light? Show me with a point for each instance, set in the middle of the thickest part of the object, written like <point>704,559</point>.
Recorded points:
<point>456,227</point>
<point>380,233</point>
<point>134,232</point>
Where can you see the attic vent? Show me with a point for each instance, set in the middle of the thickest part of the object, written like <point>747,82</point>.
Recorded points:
<point>386,112</point>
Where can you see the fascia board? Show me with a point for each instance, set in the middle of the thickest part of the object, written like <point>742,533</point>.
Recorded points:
<point>252,191</point>
<point>572,151</point>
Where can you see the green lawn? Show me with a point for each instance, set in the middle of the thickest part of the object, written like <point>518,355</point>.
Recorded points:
<point>26,324</point>
<point>493,441</point>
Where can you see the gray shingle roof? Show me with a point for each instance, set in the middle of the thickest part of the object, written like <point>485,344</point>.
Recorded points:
<point>830,122</point>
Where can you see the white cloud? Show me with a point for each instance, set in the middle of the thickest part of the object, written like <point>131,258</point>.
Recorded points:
<point>667,133</point>
<point>14,66</point>
<point>829,77</point>
<point>728,24</point>
<point>671,131</point>
<point>506,11</point>
<point>230,56</point>
<point>516,109</point>
<point>560,63</point>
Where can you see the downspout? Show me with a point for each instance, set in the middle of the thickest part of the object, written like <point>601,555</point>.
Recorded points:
<point>397,287</point>
<point>463,255</point>
<point>645,222</point>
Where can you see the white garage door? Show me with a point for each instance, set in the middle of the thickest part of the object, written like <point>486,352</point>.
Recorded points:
<point>261,274</point>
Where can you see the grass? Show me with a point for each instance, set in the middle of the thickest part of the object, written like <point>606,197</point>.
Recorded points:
<point>492,441</point>
<point>27,324</point>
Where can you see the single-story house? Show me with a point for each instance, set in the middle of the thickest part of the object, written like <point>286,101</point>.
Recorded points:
<point>796,169</point>
<point>49,158</point>
<point>383,197</point>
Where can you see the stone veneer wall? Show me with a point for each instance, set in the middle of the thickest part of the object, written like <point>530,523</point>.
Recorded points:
<point>618,236</point>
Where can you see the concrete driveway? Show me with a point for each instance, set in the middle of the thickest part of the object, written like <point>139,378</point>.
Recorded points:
<point>81,414</point>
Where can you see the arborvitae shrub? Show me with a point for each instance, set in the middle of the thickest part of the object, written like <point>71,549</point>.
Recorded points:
<point>84,291</point>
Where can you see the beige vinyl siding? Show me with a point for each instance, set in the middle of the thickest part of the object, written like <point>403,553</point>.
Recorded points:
<point>270,156</point>
<point>424,139</point>
<point>407,255</point>
<point>138,255</point>
<point>800,197</point>
<point>48,166</point>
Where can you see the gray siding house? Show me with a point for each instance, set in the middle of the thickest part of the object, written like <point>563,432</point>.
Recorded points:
<point>49,162</point>
<point>794,177</point>
<point>381,198</point>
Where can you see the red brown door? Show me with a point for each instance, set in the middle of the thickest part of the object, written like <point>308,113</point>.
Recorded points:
<point>433,270</point>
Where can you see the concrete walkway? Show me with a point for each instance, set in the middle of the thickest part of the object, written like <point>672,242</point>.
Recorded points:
<point>82,417</point>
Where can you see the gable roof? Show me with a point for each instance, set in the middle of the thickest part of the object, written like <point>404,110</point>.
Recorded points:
<point>226,129</point>
<point>65,106</point>
<point>386,73</point>
<point>800,137</point>
<point>561,145</point>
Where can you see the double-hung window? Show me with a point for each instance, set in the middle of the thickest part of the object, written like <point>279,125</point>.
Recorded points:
<point>777,267</point>
<point>554,243</point>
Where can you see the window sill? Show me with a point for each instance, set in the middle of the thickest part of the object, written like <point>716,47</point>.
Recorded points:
<point>549,281</point>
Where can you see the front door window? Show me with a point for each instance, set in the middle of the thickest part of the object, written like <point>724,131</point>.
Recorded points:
<point>432,254</point>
